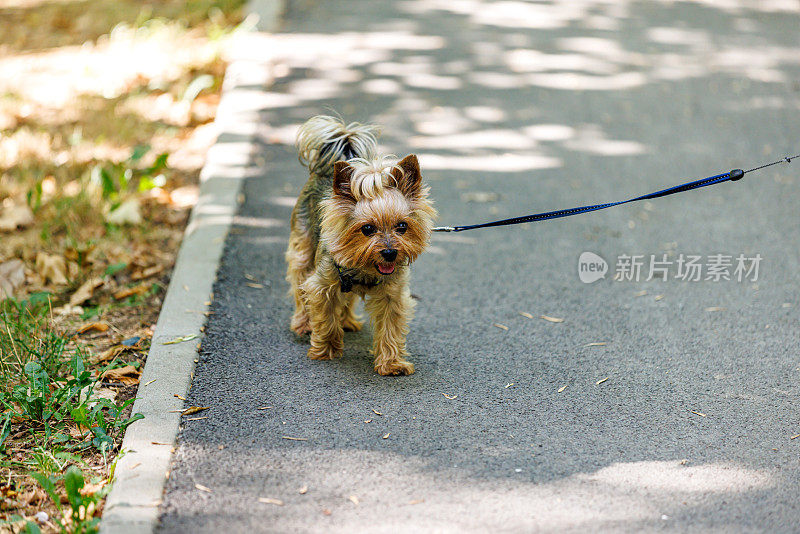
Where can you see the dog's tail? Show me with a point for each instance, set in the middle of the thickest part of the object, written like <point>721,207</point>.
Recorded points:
<point>324,140</point>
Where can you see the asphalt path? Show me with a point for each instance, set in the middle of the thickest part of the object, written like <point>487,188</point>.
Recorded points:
<point>655,405</point>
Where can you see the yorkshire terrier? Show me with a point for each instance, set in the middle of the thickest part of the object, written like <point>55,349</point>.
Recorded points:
<point>358,224</point>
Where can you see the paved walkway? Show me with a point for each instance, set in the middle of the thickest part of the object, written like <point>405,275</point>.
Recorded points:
<point>654,405</point>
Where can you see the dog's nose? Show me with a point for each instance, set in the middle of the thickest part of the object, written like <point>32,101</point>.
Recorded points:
<point>389,254</point>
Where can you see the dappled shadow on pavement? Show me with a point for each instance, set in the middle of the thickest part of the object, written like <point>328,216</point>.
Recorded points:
<point>642,410</point>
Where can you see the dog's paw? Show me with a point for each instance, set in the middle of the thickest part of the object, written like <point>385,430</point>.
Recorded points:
<point>300,325</point>
<point>394,368</point>
<point>352,325</point>
<point>324,353</point>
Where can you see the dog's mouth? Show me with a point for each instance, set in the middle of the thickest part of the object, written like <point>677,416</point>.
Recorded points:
<point>385,267</point>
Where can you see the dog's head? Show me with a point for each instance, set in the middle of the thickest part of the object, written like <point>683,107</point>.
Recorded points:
<point>378,216</point>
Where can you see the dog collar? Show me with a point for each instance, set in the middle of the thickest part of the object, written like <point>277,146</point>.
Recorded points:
<point>347,279</point>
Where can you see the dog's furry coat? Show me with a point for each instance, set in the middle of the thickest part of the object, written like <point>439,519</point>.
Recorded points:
<point>358,224</point>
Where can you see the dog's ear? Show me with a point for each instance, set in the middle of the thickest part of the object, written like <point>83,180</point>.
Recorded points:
<point>342,173</point>
<point>408,177</point>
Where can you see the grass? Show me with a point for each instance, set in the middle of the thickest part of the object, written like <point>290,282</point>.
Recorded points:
<point>102,137</point>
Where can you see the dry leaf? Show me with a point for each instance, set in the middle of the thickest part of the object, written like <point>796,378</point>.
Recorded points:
<point>110,354</point>
<point>700,414</point>
<point>254,285</point>
<point>203,488</point>
<point>127,375</point>
<point>104,393</point>
<point>500,326</point>
<point>562,388</point>
<point>93,327</point>
<point>195,409</point>
<point>641,293</point>
<point>376,412</point>
<point>416,501</point>
<point>126,213</point>
<point>294,439</point>
<point>303,490</point>
<point>147,273</point>
<point>141,289</point>
<point>552,319</point>
<point>658,297</point>
<point>596,344</point>
<point>526,314</point>
<point>715,308</point>
<point>67,310</point>
<point>12,276</point>
<point>78,431</point>
<point>13,217</point>
<point>602,380</point>
<point>180,339</point>
<point>268,500</point>
<point>91,489</point>
<point>386,436</point>
<point>795,436</point>
<point>51,268</point>
<point>353,499</point>
<point>325,511</point>
<point>85,292</point>
<point>451,397</point>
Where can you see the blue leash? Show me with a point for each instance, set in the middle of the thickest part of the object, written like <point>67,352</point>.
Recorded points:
<point>733,176</point>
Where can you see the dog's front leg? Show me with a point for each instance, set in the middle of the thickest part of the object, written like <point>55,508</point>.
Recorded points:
<point>324,304</point>
<point>391,308</point>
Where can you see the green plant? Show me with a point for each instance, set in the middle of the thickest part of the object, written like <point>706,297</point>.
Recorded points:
<point>46,387</point>
<point>116,179</point>
<point>79,519</point>
<point>104,419</point>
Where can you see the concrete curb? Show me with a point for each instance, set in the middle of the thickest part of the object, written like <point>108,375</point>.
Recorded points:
<point>132,507</point>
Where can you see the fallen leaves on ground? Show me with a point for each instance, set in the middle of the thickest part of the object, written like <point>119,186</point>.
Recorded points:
<point>195,409</point>
<point>552,319</point>
<point>12,276</point>
<point>149,272</point>
<point>180,339</point>
<point>270,500</point>
<point>93,327</point>
<point>127,375</point>
<point>141,289</point>
<point>126,213</point>
<point>51,268</point>
<point>85,292</point>
<point>14,216</point>
<point>91,489</point>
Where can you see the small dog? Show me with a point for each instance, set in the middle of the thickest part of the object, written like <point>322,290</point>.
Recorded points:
<point>358,224</point>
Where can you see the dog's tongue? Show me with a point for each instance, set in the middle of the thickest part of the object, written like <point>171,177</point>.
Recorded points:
<point>386,268</point>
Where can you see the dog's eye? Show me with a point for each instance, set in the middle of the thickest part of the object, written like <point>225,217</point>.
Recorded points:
<point>367,230</point>
<point>401,228</point>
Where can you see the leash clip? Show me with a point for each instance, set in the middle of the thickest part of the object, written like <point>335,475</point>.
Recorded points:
<point>736,174</point>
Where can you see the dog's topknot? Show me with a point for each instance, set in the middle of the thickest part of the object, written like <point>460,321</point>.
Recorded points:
<point>324,140</point>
